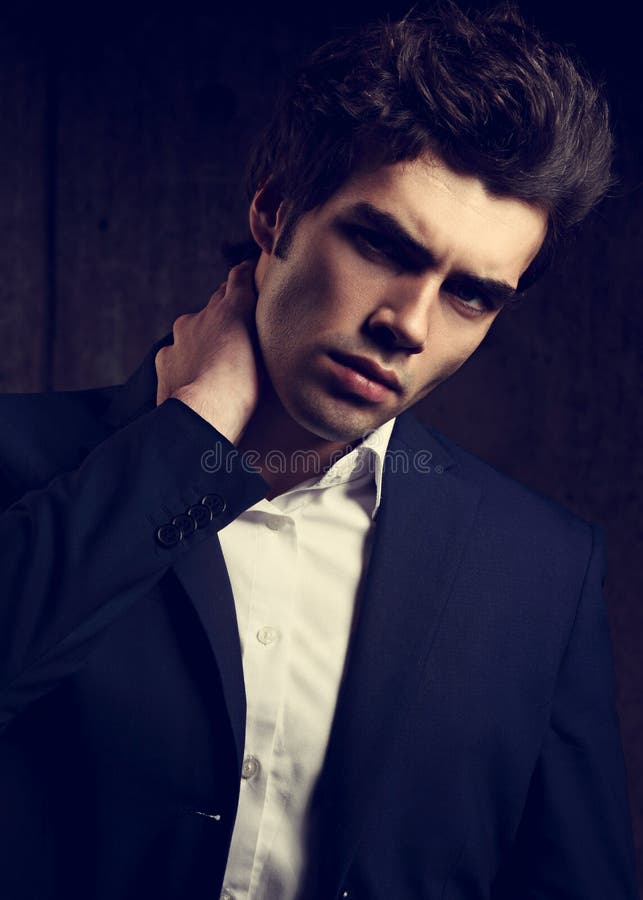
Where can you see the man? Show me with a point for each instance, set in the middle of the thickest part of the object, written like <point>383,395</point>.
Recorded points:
<point>263,635</point>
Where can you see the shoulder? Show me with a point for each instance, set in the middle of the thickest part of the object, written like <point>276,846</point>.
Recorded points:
<point>510,515</point>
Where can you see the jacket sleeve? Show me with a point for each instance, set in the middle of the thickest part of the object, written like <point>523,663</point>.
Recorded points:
<point>575,840</point>
<point>77,553</point>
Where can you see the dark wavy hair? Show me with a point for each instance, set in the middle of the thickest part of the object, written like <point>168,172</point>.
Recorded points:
<point>482,90</point>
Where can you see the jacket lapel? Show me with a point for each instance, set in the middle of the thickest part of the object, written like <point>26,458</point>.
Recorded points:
<point>204,577</point>
<point>201,573</point>
<point>422,529</point>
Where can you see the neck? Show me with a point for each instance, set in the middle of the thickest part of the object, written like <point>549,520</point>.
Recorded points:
<point>283,452</point>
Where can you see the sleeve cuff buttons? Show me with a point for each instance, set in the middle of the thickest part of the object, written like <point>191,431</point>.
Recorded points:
<point>197,516</point>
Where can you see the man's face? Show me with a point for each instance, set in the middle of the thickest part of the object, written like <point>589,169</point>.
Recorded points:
<point>385,291</point>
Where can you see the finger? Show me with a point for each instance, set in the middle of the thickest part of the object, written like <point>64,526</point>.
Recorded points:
<point>219,293</point>
<point>181,323</point>
<point>243,274</point>
<point>241,285</point>
<point>246,265</point>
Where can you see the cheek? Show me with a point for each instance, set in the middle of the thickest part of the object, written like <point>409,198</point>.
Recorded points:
<point>308,300</point>
<point>280,302</point>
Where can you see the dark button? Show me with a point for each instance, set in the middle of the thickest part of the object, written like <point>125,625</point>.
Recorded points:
<point>168,535</point>
<point>202,515</point>
<point>185,523</point>
<point>214,502</point>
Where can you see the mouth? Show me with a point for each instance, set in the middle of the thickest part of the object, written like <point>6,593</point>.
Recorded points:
<point>363,377</point>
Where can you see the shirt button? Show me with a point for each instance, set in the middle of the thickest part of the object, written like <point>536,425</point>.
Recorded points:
<point>267,635</point>
<point>276,523</point>
<point>226,894</point>
<point>250,767</point>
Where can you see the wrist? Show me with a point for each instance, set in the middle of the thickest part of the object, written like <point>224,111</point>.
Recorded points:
<point>200,401</point>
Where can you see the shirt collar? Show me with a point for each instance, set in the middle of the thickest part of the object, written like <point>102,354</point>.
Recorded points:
<point>367,459</point>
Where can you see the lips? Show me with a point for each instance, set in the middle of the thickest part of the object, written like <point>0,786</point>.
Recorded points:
<point>369,369</point>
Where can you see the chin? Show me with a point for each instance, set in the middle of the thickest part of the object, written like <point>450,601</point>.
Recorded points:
<point>338,421</point>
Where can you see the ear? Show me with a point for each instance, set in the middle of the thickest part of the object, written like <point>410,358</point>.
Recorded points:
<point>266,215</point>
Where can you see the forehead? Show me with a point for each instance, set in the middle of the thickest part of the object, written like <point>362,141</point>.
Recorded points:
<point>452,214</point>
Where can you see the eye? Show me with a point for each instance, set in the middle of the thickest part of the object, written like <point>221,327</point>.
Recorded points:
<point>470,298</point>
<point>372,243</point>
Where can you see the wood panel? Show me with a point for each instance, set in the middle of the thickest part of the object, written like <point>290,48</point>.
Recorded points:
<point>154,124</point>
<point>23,209</point>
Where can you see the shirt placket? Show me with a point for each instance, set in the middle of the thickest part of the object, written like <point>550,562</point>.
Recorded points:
<point>265,663</point>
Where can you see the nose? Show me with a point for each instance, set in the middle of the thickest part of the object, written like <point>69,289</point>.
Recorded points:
<point>401,320</point>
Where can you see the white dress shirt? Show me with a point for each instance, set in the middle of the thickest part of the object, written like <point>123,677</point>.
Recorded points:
<point>295,565</point>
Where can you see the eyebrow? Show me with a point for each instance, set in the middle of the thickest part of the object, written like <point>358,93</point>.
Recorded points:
<point>405,245</point>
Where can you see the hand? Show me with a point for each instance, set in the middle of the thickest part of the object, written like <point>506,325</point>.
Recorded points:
<point>214,365</point>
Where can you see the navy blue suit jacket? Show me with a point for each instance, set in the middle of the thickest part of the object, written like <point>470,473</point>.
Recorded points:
<point>475,750</point>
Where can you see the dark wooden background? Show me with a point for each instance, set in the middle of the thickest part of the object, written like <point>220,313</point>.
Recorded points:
<point>124,132</point>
